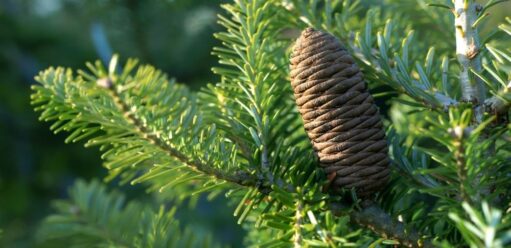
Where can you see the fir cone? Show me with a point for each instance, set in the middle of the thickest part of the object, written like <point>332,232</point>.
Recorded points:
<point>339,115</point>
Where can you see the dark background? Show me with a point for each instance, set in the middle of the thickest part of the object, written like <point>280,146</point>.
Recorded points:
<point>35,165</point>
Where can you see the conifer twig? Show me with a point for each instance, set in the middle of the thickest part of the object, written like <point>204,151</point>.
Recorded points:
<point>495,104</point>
<point>297,238</point>
<point>468,52</point>
<point>376,219</point>
<point>240,177</point>
<point>458,134</point>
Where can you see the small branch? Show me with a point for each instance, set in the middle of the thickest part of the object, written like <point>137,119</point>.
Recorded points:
<point>468,46</point>
<point>103,232</point>
<point>325,235</point>
<point>467,50</point>
<point>240,177</point>
<point>297,238</point>
<point>372,217</point>
<point>375,219</point>
<point>458,134</point>
<point>265,165</point>
<point>497,105</point>
<point>445,101</point>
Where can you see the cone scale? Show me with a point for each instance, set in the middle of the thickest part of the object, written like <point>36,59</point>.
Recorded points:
<point>339,115</point>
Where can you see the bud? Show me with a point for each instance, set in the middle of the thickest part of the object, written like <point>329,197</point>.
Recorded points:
<point>105,83</point>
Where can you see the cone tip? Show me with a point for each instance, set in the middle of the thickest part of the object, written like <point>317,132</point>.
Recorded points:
<point>308,31</point>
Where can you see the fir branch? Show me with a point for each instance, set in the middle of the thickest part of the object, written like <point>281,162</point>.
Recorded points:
<point>496,104</point>
<point>265,165</point>
<point>482,228</point>
<point>371,216</point>
<point>461,163</point>
<point>468,51</point>
<point>376,219</point>
<point>297,238</point>
<point>325,235</point>
<point>241,178</point>
<point>96,217</point>
<point>390,61</point>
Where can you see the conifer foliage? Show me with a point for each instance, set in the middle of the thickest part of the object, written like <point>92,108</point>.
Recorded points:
<point>94,217</point>
<point>446,94</point>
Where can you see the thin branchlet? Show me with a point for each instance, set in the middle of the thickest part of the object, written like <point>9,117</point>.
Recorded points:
<point>297,238</point>
<point>240,177</point>
<point>496,105</point>
<point>461,163</point>
<point>468,48</point>
<point>374,218</point>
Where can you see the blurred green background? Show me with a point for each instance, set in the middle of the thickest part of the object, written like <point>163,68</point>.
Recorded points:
<point>35,165</point>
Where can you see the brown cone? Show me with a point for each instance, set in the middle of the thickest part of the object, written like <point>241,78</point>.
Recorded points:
<point>339,115</point>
